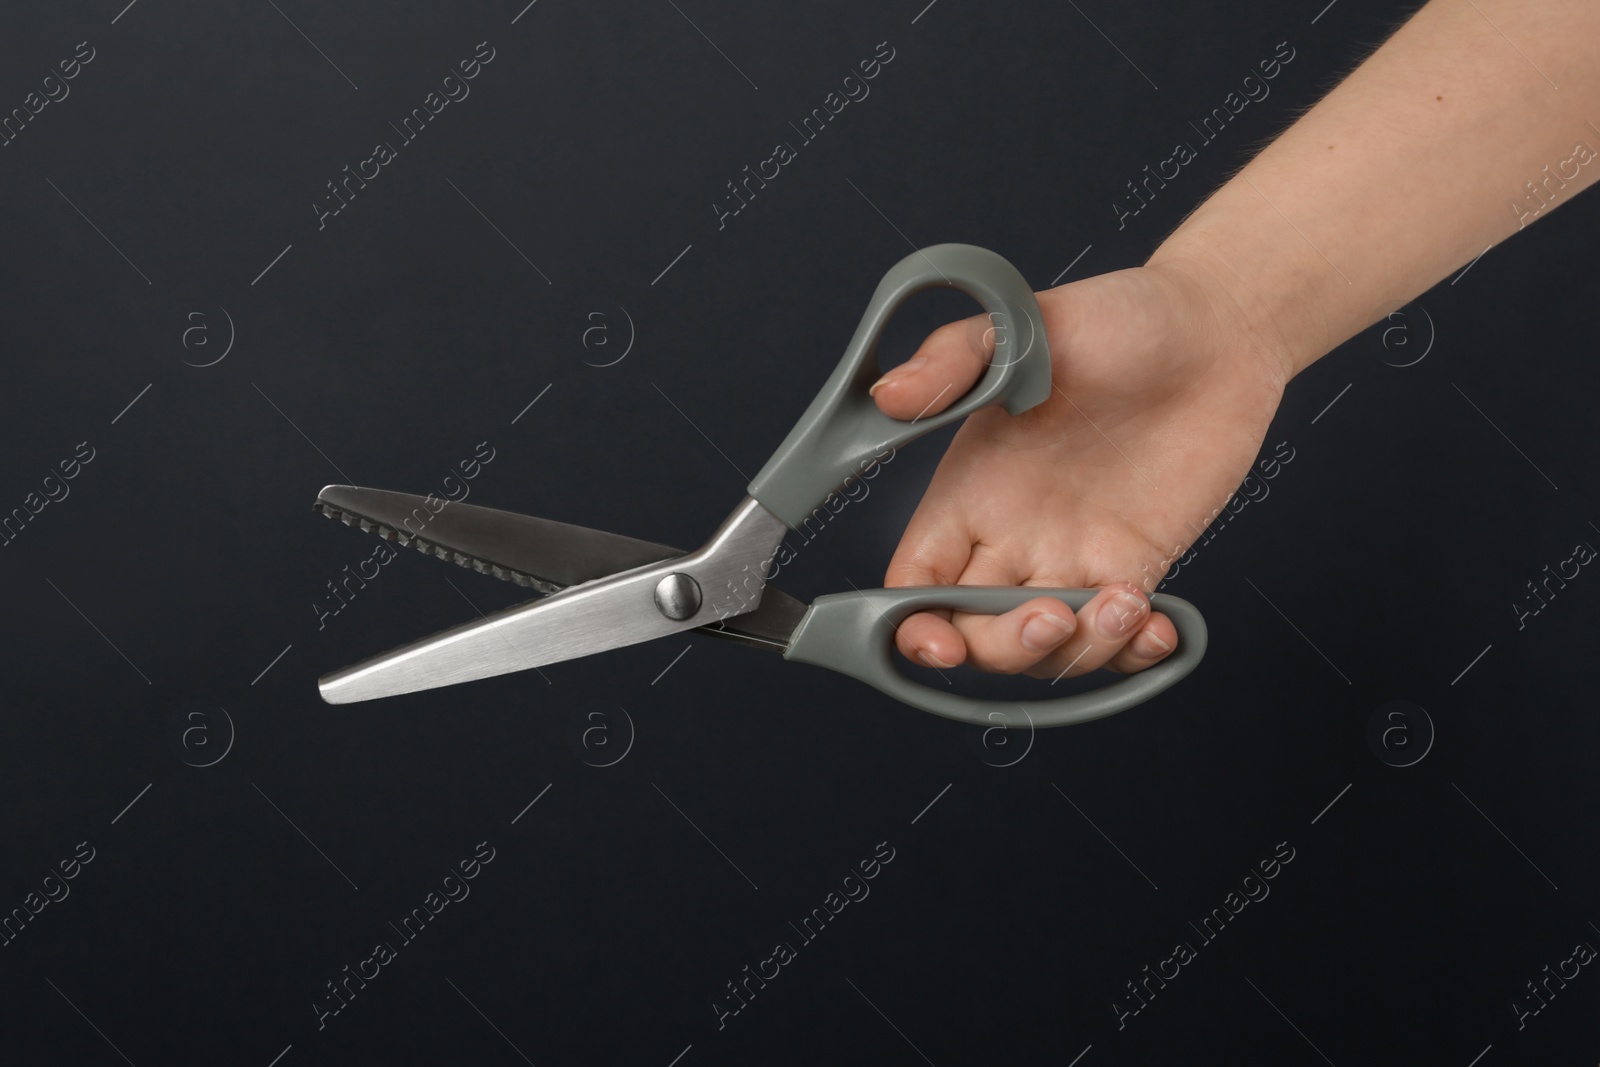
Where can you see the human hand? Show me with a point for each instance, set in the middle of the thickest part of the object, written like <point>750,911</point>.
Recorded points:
<point>1162,398</point>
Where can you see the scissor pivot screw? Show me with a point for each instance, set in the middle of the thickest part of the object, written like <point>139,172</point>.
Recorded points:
<point>678,596</point>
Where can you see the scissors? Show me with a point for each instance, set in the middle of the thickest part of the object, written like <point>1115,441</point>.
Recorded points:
<point>605,591</point>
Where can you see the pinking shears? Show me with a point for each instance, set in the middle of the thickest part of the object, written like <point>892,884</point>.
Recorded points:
<point>604,591</point>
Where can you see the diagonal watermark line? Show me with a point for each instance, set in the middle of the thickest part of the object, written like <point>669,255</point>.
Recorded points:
<point>1074,263</point>
<point>1113,44</point>
<point>132,402</point>
<point>271,665</point>
<point>280,1056</point>
<point>97,630</point>
<point>499,231</point>
<point>1080,1056</point>
<point>131,803</point>
<point>713,44</point>
<point>932,402</point>
<point>274,263</point>
<point>1301,632</point>
<point>924,11</point>
<point>1102,833</point>
<point>532,402</point>
<point>1480,1056</point>
<point>347,479</point>
<point>702,833</point>
<point>302,833</point>
<point>1331,803</point>
<point>1297,229</point>
<point>890,1021</point>
<point>1324,11</point>
<point>1502,833</point>
<point>1502,433</point>
<point>674,663</point>
<point>1513,44</point>
<point>674,262</point>
<point>699,431</point>
<point>931,803</point>
<point>1109,441</point>
<point>1469,666</point>
<point>313,44</point>
<point>1332,402</point>
<point>1286,1019</point>
<point>524,11</point>
<point>680,1055</point>
<point>123,12</point>
<point>490,1021</point>
<point>1071,665</point>
<point>101,232</point>
<point>1474,263</point>
<point>898,230</point>
<point>90,1021</point>
<point>499,632</point>
<point>531,803</point>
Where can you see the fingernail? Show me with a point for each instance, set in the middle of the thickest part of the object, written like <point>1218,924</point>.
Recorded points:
<point>1045,631</point>
<point>1119,615</point>
<point>897,373</point>
<point>1149,645</point>
<point>933,661</point>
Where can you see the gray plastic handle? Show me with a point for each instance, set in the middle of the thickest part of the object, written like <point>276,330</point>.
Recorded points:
<point>843,433</point>
<point>850,633</point>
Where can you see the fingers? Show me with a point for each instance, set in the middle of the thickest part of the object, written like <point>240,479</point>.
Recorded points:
<point>1116,629</point>
<point>935,549</point>
<point>938,374</point>
<point>1044,638</point>
<point>929,639</point>
<point>1019,639</point>
<point>1106,624</point>
<point>1153,643</point>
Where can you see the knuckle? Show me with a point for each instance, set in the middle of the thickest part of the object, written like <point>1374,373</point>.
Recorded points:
<point>904,572</point>
<point>980,653</point>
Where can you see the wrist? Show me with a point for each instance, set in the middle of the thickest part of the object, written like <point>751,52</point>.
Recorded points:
<point>1265,294</point>
<point>1238,325</point>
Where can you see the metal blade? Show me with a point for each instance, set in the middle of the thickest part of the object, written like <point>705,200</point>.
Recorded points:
<point>535,553</point>
<point>591,617</point>
<point>769,626</point>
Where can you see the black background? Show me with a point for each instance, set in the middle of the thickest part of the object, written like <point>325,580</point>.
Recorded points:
<point>412,328</point>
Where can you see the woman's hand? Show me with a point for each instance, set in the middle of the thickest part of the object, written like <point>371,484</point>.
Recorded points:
<point>1160,404</point>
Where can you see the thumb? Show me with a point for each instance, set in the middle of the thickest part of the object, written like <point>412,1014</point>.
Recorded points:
<point>939,373</point>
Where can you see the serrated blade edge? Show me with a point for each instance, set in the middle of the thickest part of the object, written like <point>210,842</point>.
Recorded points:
<point>430,548</point>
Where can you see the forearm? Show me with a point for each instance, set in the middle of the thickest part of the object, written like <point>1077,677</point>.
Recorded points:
<point>1432,150</point>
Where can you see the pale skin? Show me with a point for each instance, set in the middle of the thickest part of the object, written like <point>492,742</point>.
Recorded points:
<point>1168,375</point>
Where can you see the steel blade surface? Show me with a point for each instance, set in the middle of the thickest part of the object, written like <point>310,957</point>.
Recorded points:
<point>595,616</point>
<point>575,622</point>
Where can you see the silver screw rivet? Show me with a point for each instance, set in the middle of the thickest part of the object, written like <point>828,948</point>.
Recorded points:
<point>678,596</point>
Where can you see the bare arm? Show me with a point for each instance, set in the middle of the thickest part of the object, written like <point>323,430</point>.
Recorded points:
<point>1475,119</point>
